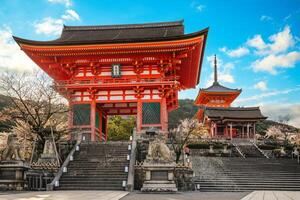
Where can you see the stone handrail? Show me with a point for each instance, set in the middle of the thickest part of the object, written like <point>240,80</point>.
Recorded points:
<point>261,151</point>
<point>130,178</point>
<point>238,150</point>
<point>51,185</point>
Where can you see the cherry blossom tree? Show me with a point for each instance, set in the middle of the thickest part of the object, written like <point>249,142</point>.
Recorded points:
<point>188,131</point>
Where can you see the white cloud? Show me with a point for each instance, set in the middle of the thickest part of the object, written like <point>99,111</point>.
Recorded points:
<point>70,15</point>
<point>261,85</point>
<point>257,42</point>
<point>67,3</point>
<point>278,43</point>
<point>200,7</point>
<point>265,95</point>
<point>11,57</point>
<point>224,71</point>
<point>277,110</point>
<point>272,62</point>
<point>265,18</point>
<point>197,6</point>
<point>239,52</point>
<point>51,26</point>
<point>281,40</point>
<point>276,53</point>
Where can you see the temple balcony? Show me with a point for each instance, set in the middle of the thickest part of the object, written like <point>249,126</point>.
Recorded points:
<point>124,82</point>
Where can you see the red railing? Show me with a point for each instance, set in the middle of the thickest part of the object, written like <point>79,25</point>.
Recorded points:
<point>115,81</point>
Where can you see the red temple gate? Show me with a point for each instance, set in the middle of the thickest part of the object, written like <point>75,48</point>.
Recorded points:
<point>120,70</point>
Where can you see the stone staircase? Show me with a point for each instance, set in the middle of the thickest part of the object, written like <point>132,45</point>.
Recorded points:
<point>246,174</point>
<point>97,166</point>
<point>247,148</point>
<point>250,151</point>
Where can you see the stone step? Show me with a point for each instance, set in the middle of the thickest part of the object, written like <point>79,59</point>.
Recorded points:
<point>78,178</point>
<point>119,188</point>
<point>97,167</point>
<point>222,189</point>
<point>258,173</point>
<point>240,183</point>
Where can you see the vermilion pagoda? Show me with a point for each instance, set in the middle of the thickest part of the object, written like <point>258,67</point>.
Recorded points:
<point>134,69</point>
<point>220,118</point>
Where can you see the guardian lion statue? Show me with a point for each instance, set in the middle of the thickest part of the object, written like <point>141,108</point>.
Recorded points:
<point>159,151</point>
<point>12,150</point>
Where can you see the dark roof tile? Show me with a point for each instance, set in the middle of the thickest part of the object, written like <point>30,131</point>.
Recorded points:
<point>234,113</point>
<point>217,87</point>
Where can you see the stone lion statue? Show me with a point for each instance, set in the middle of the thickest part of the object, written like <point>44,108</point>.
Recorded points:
<point>12,150</point>
<point>159,151</point>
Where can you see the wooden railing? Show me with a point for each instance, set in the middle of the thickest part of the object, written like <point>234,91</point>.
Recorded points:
<point>114,81</point>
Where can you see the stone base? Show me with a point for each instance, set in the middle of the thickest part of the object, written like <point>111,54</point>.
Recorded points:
<point>159,186</point>
<point>12,175</point>
<point>159,177</point>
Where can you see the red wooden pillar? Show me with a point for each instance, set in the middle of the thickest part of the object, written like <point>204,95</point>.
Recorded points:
<point>164,115</point>
<point>139,116</point>
<point>93,120</point>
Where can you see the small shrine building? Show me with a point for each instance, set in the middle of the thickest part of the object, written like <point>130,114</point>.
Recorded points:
<point>133,69</point>
<point>223,120</point>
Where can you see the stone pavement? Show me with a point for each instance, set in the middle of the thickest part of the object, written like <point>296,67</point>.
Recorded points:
<point>273,195</point>
<point>115,195</point>
<point>65,195</point>
<point>188,196</point>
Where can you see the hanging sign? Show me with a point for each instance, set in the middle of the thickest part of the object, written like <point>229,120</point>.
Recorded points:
<point>116,70</point>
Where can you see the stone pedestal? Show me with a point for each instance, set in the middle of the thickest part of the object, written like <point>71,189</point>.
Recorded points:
<point>159,177</point>
<point>12,175</point>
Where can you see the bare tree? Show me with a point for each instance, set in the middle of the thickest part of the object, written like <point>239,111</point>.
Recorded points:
<point>34,104</point>
<point>188,131</point>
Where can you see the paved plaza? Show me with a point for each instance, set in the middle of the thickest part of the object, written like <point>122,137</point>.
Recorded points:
<point>65,195</point>
<point>115,195</point>
<point>273,195</point>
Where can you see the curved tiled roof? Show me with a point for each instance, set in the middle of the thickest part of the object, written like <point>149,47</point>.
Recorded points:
<point>233,112</point>
<point>72,35</point>
<point>217,87</point>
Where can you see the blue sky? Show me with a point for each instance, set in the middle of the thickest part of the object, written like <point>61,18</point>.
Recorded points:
<point>257,42</point>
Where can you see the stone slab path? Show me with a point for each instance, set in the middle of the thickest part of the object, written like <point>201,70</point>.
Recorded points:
<point>196,195</point>
<point>65,195</point>
<point>116,195</point>
<point>272,195</point>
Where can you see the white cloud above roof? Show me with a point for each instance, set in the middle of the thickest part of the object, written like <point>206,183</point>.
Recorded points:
<point>235,53</point>
<point>67,3</point>
<point>53,26</point>
<point>272,63</point>
<point>278,43</point>
<point>265,18</point>
<point>70,15</point>
<point>261,85</point>
<point>11,57</point>
<point>224,71</point>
